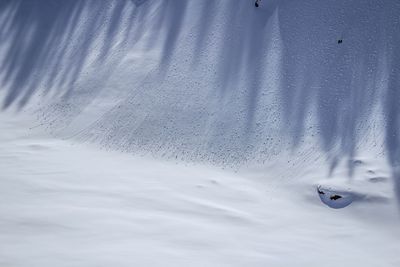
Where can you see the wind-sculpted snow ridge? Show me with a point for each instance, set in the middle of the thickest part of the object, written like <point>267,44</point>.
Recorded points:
<point>217,81</point>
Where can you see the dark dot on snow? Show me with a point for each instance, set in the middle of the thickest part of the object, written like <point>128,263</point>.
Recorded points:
<point>335,197</point>
<point>339,41</point>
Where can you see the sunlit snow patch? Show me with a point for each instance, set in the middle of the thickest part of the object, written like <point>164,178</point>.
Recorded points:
<point>336,199</point>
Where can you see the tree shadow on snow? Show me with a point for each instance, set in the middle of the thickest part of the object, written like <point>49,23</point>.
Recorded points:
<point>342,83</point>
<point>47,43</point>
<point>285,44</point>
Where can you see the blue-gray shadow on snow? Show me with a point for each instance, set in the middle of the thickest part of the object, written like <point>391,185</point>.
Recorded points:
<point>342,84</point>
<point>46,43</point>
<point>31,29</point>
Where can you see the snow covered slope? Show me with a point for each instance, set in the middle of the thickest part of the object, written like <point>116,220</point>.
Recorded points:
<point>74,205</point>
<point>208,80</point>
<point>268,92</point>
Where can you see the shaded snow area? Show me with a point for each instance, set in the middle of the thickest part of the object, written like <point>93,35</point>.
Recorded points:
<point>199,133</point>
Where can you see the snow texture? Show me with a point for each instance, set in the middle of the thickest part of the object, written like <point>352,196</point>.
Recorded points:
<point>66,204</point>
<point>209,80</point>
<point>267,92</point>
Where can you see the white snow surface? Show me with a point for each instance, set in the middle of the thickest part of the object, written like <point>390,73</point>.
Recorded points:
<point>68,204</point>
<point>196,133</point>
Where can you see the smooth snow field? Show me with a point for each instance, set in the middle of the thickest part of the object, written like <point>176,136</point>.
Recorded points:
<point>66,204</point>
<point>199,133</point>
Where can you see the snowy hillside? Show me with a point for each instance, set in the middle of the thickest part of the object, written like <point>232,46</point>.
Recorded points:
<point>234,123</point>
<point>211,80</point>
